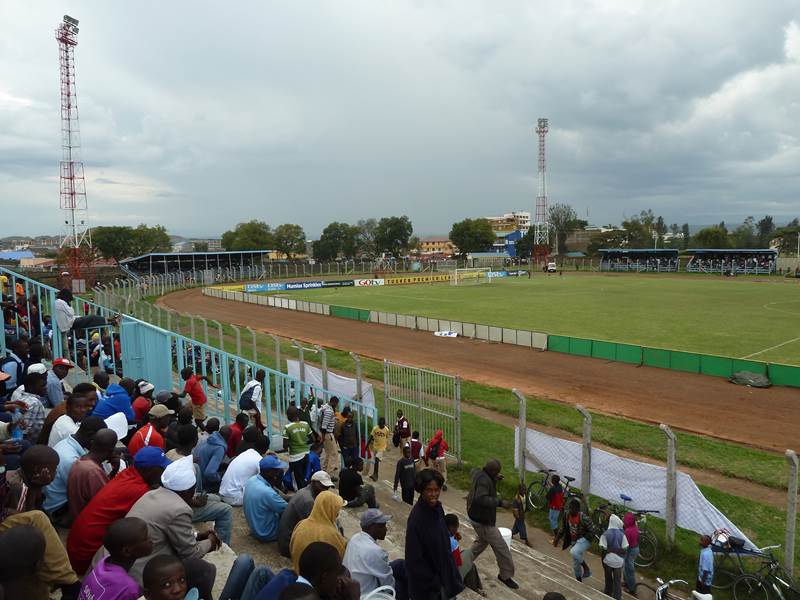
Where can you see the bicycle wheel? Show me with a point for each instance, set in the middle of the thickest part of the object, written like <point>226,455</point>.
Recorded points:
<point>648,548</point>
<point>725,571</point>
<point>750,587</point>
<point>600,518</point>
<point>536,494</point>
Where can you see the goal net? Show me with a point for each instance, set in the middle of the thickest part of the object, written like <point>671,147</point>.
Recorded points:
<point>470,276</point>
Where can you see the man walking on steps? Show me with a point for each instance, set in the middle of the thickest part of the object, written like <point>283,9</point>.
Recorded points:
<point>482,504</point>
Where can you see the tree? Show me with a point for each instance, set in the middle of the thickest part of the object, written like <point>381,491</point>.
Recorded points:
<point>766,229</point>
<point>392,234</point>
<point>114,242</point>
<point>200,246</point>
<point>525,244</point>
<point>640,229</point>
<point>337,238</point>
<point>744,236</point>
<point>472,235</point>
<point>787,238</point>
<point>563,219</point>
<point>290,239</point>
<point>607,239</point>
<point>253,235</point>
<point>712,237</point>
<point>686,236</point>
<point>414,244</point>
<point>365,241</point>
<point>150,239</point>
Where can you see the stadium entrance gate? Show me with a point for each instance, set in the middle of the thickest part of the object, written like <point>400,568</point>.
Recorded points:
<point>429,400</point>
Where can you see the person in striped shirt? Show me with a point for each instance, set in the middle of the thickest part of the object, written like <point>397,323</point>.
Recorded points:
<point>327,425</point>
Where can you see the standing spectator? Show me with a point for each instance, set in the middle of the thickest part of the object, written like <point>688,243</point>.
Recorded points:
<point>576,529</point>
<point>632,535</point>
<point>320,526</point>
<point>126,541</point>
<point>368,563</point>
<point>13,364</point>
<point>379,440</point>
<point>464,564</point>
<point>194,388</point>
<point>34,413</point>
<point>482,504</point>
<point>435,455</point>
<point>614,544</point>
<point>299,507</point>
<point>405,475</point>
<point>210,457</point>
<point>144,401</point>
<point>430,569</point>
<point>347,436</point>
<point>117,399</point>
<point>76,406</point>
<point>66,320</point>
<point>352,488</point>
<point>327,424</point>
<point>402,429</point>
<point>152,433</point>
<point>251,397</point>
<point>55,381</point>
<point>242,468</point>
<point>296,439</point>
<point>236,430</point>
<point>518,510</point>
<point>555,504</point>
<point>417,452</point>
<point>87,476</point>
<point>263,504</point>
<point>705,567</point>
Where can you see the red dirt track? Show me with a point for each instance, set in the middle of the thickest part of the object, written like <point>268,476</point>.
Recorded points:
<point>707,405</point>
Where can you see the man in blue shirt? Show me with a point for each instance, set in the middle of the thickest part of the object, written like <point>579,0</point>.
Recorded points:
<point>705,570</point>
<point>55,385</point>
<point>14,364</point>
<point>263,504</point>
<point>210,457</point>
<point>117,399</point>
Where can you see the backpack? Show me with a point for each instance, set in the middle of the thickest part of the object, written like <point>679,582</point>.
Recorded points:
<point>246,399</point>
<point>5,389</point>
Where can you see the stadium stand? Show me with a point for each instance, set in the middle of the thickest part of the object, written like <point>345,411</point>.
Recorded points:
<point>639,260</point>
<point>158,263</point>
<point>743,261</point>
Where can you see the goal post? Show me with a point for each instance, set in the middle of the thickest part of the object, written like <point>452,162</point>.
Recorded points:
<point>474,276</point>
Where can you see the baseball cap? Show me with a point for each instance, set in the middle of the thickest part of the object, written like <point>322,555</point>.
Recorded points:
<point>271,462</point>
<point>163,397</point>
<point>37,368</point>
<point>63,362</point>
<point>145,386</point>
<point>159,410</point>
<point>151,456</point>
<point>323,478</point>
<point>374,516</point>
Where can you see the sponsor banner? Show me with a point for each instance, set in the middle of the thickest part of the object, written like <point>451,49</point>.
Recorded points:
<point>265,287</point>
<point>337,384</point>
<point>494,274</point>
<point>303,285</point>
<point>342,283</point>
<point>519,273</point>
<point>416,279</point>
<point>368,282</point>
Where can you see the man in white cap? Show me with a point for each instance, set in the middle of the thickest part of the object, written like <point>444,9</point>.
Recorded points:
<point>168,514</point>
<point>299,508</point>
<point>368,563</point>
<point>144,400</point>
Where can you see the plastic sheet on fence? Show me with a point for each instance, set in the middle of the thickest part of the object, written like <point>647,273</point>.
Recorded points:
<point>337,384</point>
<point>613,475</point>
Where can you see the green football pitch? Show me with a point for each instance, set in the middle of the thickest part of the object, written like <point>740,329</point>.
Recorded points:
<point>728,317</point>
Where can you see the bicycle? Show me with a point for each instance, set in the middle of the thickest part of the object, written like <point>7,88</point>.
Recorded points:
<point>770,580</point>
<point>648,542</point>
<point>537,491</point>
<point>728,565</point>
<point>662,591</point>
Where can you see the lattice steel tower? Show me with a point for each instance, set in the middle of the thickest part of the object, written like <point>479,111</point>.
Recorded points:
<point>72,183</point>
<point>541,224</point>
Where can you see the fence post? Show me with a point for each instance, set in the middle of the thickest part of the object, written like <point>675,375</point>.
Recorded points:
<point>191,326</point>
<point>791,512</point>
<point>357,360</point>
<point>672,487</point>
<point>324,361</point>
<point>301,351</point>
<point>457,407</point>
<point>277,341</point>
<point>238,334</point>
<point>522,430</point>
<point>255,344</point>
<point>586,456</point>
<point>221,335</point>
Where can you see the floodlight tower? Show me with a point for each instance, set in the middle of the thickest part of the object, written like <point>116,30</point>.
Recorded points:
<point>72,183</point>
<point>541,225</point>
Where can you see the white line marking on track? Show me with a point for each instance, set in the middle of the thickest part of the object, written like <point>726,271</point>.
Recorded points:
<point>771,348</point>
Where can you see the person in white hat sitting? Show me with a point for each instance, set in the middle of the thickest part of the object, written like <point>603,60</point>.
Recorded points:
<point>168,514</point>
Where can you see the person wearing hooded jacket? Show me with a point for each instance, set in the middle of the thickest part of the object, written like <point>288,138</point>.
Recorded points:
<point>614,545</point>
<point>210,458</point>
<point>435,455</point>
<point>320,526</point>
<point>632,535</point>
<point>117,399</point>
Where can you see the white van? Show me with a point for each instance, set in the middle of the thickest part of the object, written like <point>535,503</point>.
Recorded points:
<point>551,267</point>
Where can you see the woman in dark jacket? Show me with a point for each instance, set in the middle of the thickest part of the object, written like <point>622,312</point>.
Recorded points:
<point>431,570</point>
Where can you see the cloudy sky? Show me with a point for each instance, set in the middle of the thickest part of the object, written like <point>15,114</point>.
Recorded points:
<point>199,115</point>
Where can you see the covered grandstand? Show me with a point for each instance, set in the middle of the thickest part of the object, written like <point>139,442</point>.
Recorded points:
<point>158,263</point>
<point>639,260</point>
<point>745,261</point>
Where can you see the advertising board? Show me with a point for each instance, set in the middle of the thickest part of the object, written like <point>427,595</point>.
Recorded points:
<point>264,287</point>
<point>368,282</point>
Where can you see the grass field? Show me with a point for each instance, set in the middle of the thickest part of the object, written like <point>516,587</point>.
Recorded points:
<point>728,317</point>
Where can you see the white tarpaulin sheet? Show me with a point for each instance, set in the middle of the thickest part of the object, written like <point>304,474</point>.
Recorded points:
<point>337,385</point>
<point>613,475</point>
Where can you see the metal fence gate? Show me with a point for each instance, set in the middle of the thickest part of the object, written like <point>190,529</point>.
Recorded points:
<point>429,400</point>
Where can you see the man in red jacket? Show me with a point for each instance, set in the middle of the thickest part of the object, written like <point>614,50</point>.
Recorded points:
<point>111,503</point>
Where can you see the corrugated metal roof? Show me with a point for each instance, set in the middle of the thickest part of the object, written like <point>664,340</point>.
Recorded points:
<point>15,254</point>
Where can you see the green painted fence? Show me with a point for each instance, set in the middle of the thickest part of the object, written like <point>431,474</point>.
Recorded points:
<point>676,360</point>
<point>345,312</point>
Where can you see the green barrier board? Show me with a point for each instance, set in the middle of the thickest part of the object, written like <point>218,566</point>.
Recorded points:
<point>717,366</point>
<point>684,361</point>
<point>580,347</point>
<point>628,353</point>
<point>784,375</point>
<point>606,350</point>
<point>557,343</point>
<point>754,366</point>
<point>655,357</point>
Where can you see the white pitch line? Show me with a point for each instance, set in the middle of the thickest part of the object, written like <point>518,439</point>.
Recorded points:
<point>772,348</point>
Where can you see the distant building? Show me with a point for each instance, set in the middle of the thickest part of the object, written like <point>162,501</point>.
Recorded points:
<point>437,245</point>
<point>513,221</point>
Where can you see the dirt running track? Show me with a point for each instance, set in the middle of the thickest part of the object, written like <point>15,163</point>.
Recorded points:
<point>707,405</point>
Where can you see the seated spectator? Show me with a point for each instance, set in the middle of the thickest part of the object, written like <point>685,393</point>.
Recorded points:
<point>168,515</point>
<point>299,591</point>
<point>164,578</point>
<point>87,476</point>
<point>55,382</point>
<point>22,549</point>
<point>101,382</point>
<point>126,541</point>
<point>13,364</point>
<point>299,508</point>
<point>69,451</point>
<point>144,400</point>
<point>117,399</point>
<point>352,487</point>
<point>263,503</point>
<point>320,526</point>
<point>210,458</point>
<point>65,418</point>
<point>249,438</point>
<point>321,568</point>
<point>212,425</point>
<point>112,503</point>
<point>368,563</point>
<point>463,558</point>
<point>553,596</point>
<point>152,432</point>
<point>237,429</point>
<point>183,417</point>
<point>186,442</point>
<point>20,495</point>
<point>34,410</point>
<point>242,468</point>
